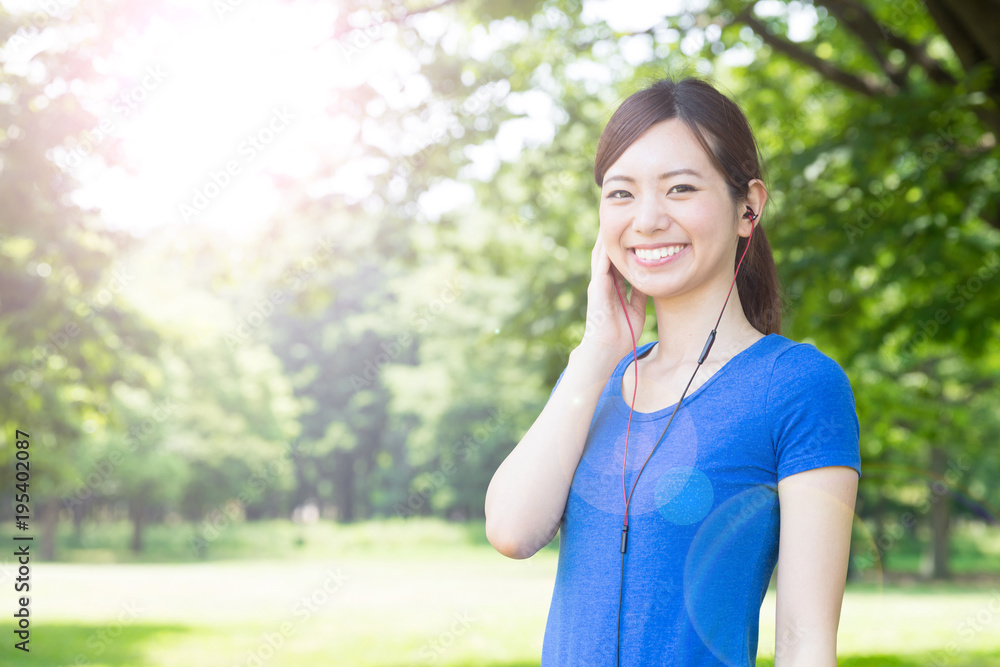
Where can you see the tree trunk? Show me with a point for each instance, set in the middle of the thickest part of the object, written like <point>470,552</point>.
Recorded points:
<point>137,512</point>
<point>302,490</point>
<point>878,515</point>
<point>50,521</point>
<point>345,487</point>
<point>940,515</point>
<point>79,512</point>
<point>860,509</point>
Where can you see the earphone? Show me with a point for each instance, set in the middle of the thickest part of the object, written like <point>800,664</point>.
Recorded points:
<point>701,358</point>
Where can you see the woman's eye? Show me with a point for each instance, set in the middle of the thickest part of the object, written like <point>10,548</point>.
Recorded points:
<point>621,194</point>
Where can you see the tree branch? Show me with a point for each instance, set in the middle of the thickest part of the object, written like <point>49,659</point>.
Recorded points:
<point>961,44</point>
<point>967,44</point>
<point>828,70</point>
<point>980,21</point>
<point>431,8</point>
<point>869,32</point>
<point>344,28</point>
<point>916,53</point>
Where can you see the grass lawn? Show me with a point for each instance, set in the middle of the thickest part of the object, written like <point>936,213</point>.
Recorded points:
<point>413,594</point>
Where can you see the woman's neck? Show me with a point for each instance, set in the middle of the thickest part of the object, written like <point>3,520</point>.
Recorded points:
<point>684,324</point>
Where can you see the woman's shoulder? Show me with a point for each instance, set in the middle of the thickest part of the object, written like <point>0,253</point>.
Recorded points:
<point>802,362</point>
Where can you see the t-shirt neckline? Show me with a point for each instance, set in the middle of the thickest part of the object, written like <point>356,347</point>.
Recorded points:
<point>625,408</point>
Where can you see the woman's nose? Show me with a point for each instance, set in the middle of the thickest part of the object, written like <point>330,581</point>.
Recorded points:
<point>651,215</point>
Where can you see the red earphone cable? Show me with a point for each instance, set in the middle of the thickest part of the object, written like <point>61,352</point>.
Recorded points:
<point>627,498</point>
<point>634,391</point>
<point>701,358</point>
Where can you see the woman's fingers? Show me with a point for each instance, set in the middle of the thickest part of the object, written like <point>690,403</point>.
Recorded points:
<point>605,260</point>
<point>606,304</point>
<point>595,259</point>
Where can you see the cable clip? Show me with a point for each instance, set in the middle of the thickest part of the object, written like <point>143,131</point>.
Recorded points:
<point>708,343</point>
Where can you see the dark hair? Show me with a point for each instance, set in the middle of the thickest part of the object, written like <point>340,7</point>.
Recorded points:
<point>731,146</point>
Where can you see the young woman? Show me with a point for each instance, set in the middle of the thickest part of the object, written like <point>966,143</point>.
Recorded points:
<point>671,528</point>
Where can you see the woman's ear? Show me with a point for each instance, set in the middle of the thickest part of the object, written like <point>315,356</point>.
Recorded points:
<point>756,198</point>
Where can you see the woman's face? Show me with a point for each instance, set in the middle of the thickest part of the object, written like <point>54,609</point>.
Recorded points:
<point>665,194</point>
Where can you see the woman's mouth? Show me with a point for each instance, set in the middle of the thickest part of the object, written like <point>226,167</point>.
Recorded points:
<point>659,256</point>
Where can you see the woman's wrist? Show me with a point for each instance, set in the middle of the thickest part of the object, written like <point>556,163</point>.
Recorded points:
<point>599,358</point>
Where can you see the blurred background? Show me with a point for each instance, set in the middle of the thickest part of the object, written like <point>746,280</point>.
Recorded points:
<point>283,282</point>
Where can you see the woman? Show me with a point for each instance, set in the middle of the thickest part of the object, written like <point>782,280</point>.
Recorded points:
<point>760,466</point>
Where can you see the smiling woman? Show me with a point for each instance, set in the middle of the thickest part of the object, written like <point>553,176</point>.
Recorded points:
<point>665,555</point>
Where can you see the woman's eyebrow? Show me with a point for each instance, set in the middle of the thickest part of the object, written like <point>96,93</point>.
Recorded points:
<point>666,174</point>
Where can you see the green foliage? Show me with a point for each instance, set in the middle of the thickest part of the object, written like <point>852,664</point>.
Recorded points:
<point>370,359</point>
<point>414,576</point>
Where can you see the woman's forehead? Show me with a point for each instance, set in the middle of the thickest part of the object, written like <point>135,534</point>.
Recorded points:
<point>669,147</point>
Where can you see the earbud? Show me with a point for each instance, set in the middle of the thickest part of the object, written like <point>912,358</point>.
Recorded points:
<point>627,497</point>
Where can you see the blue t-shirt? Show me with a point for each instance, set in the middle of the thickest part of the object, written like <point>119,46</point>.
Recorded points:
<point>704,517</point>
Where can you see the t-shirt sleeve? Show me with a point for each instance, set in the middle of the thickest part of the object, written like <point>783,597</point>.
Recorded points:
<point>810,413</point>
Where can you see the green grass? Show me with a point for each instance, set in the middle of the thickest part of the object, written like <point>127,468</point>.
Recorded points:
<point>974,548</point>
<point>405,593</point>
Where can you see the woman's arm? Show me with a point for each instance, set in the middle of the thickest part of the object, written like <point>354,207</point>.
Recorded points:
<point>527,495</point>
<point>817,513</point>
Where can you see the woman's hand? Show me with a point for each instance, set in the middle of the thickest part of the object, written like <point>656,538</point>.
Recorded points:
<point>607,329</point>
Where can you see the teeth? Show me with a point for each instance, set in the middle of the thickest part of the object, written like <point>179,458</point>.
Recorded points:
<point>657,253</point>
